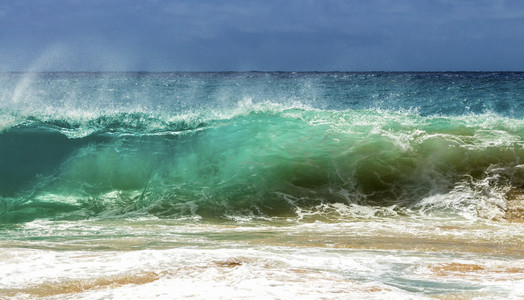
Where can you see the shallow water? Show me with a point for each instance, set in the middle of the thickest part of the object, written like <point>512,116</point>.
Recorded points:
<point>399,257</point>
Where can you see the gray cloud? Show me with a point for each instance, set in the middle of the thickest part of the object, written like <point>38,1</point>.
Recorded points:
<point>264,35</point>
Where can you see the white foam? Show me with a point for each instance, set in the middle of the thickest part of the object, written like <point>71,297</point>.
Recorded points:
<point>271,272</point>
<point>470,199</point>
<point>264,258</point>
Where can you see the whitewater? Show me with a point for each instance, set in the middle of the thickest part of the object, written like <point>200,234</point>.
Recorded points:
<point>262,185</point>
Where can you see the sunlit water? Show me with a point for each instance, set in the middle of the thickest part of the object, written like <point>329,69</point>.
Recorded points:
<point>261,185</point>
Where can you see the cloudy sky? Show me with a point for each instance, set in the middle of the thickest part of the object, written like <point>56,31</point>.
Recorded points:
<point>239,35</point>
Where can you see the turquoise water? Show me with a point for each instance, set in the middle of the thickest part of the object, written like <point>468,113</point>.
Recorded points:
<point>416,165</point>
<point>218,144</point>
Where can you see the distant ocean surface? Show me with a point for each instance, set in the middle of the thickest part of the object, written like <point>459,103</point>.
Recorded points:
<point>262,185</point>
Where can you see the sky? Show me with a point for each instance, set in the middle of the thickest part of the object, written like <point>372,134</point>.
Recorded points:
<point>265,35</point>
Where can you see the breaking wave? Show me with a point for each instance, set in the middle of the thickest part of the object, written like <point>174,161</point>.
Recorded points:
<point>260,159</point>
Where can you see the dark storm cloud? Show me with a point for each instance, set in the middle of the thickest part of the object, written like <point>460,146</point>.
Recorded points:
<point>262,35</point>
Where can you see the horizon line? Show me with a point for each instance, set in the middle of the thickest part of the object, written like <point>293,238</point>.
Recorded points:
<point>262,71</point>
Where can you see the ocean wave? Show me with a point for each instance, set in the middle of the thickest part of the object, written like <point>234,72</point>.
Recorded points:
<point>260,159</point>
